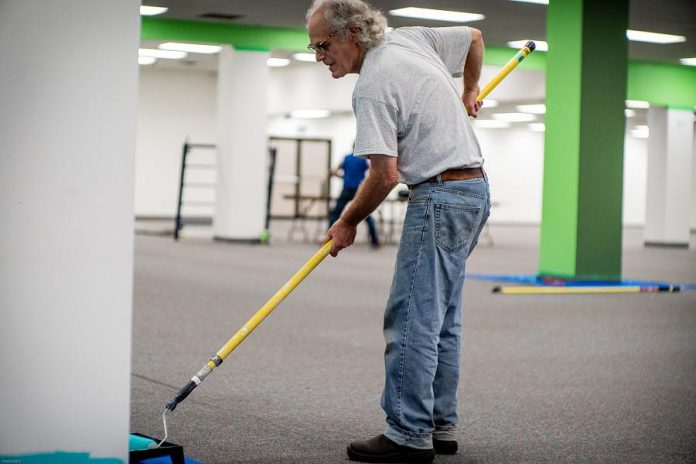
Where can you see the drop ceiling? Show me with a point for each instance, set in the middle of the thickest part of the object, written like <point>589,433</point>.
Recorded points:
<point>505,20</point>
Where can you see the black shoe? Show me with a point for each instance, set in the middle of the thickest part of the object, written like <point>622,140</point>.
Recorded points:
<point>445,446</point>
<point>382,449</point>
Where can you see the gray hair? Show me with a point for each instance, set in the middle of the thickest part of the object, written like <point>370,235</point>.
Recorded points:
<point>343,14</point>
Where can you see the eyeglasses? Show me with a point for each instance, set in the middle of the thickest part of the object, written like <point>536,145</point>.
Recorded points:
<point>321,47</point>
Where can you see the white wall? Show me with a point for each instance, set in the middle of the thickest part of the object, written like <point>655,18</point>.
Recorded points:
<point>68,87</point>
<point>309,85</point>
<point>514,161</point>
<point>635,180</point>
<point>514,157</point>
<point>173,105</point>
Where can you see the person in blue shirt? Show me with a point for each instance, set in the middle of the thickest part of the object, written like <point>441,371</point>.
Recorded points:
<point>352,169</point>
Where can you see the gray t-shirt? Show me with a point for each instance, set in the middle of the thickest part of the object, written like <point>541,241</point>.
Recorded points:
<point>408,105</point>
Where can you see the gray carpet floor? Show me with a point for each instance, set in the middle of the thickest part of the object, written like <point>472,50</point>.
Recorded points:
<point>546,379</point>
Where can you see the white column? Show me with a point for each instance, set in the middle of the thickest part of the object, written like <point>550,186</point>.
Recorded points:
<point>243,78</point>
<point>68,87</point>
<point>670,153</point>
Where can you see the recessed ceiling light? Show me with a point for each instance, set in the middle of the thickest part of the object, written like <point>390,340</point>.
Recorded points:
<point>437,15</point>
<point>191,48</point>
<point>514,117</point>
<point>152,10</point>
<point>637,104</point>
<point>688,61</point>
<point>304,57</point>
<point>277,62</point>
<point>654,37</point>
<point>491,124</point>
<point>537,127</point>
<point>534,109</point>
<point>145,60</point>
<point>166,54</point>
<point>310,114</point>
<point>540,2</point>
<point>541,45</point>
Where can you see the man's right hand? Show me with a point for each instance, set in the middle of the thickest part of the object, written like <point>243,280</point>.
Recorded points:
<point>342,234</point>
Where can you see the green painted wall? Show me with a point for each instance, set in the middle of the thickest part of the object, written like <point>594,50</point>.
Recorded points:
<point>602,125</point>
<point>662,83</point>
<point>242,37</point>
<point>562,141</point>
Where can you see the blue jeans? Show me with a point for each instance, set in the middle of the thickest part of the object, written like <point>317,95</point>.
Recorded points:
<point>422,321</point>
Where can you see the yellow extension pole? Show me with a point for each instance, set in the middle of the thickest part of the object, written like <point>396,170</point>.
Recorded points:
<point>249,327</point>
<point>589,289</point>
<point>274,301</point>
<point>521,54</point>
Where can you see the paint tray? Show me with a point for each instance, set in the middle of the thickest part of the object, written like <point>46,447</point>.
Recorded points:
<point>173,451</point>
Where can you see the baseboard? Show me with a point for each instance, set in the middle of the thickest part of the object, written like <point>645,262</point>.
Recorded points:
<point>666,245</point>
<point>246,241</point>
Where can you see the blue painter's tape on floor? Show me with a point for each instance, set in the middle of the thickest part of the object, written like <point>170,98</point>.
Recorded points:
<point>533,279</point>
<point>58,457</point>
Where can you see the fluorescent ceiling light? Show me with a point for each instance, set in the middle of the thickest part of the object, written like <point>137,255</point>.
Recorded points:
<point>491,124</point>
<point>654,37</point>
<point>277,62</point>
<point>191,48</point>
<point>152,10</point>
<point>310,114</point>
<point>688,61</point>
<point>514,117</point>
<point>437,15</point>
<point>541,45</point>
<point>629,113</point>
<point>540,2</point>
<point>146,60</point>
<point>305,57</point>
<point>637,104</point>
<point>534,109</point>
<point>166,54</point>
<point>489,103</point>
<point>537,127</point>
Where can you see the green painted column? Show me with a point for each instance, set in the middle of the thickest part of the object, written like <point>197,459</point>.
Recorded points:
<point>583,154</point>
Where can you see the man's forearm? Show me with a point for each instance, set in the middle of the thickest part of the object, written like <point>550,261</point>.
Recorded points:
<point>370,195</point>
<point>474,61</point>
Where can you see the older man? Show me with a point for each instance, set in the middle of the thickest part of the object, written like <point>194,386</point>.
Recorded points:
<point>412,124</point>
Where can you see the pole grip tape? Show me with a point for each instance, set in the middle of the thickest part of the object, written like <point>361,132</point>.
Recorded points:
<point>181,396</point>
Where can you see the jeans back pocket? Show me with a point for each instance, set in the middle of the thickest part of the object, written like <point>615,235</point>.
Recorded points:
<point>455,225</point>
